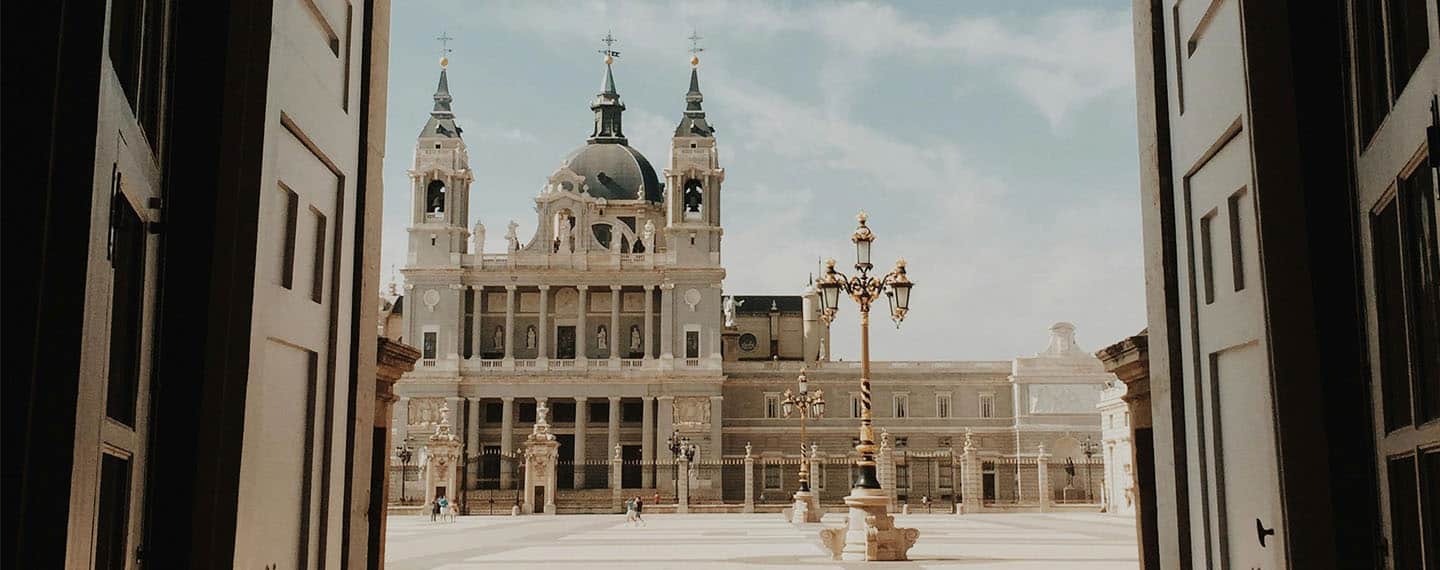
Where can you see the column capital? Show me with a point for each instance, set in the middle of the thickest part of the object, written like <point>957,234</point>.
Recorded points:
<point>648,287</point>
<point>510,288</point>
<point>717,397</point>
<point>666,397</point>
<point>507,399</point>
<point>667,286</point>
<point>614,399</point>
<point>544,287</point>
<point>647,398</point>
<point>581,399</point>
<point>615,287</point>
<point>582,287</point>
<point>457,286</point>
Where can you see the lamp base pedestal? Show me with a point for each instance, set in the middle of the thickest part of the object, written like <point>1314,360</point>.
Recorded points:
<point>870,533</point>
<point>805,509</point>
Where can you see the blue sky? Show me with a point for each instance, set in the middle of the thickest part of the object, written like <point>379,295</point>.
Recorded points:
<point>992,143</point>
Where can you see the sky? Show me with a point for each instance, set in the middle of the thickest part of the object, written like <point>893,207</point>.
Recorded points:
<point>992,143</point>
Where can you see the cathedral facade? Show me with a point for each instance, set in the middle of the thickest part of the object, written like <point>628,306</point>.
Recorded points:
<point>612,317</point>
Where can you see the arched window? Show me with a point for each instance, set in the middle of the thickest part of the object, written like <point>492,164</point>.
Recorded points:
<point>694,196</point>
<point>435,197</point>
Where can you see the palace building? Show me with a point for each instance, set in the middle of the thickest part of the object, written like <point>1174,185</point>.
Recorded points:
<point>612,316</point>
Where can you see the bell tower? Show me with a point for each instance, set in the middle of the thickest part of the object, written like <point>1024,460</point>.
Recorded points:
<point>440,186</point>
<point>692,182</point>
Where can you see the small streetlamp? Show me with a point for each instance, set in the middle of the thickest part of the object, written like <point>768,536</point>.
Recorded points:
<point>405,453</point>
<point>864,290</point>
<point>1089,448</point>
<point>806,405</point>
<point>680,445</point>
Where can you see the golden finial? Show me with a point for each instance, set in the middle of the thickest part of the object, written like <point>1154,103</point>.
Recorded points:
<point>694,61</point>
<point>444,49</point>
<point>444,62</point>
<point>862,217</point>
<point>609,59</point>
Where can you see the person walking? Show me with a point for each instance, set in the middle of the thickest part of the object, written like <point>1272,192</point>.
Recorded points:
<point>630,511</point>
<point>639,509</point>
<point>435,509</point>
<point>443,506</point>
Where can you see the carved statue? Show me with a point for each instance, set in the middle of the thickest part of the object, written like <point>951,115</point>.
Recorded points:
<point>747,449</point>
<point>635,340</point>
<point>499,337</point>
<point>479,236</point>
<point>647,235</point>
<point>511,236</point>
<point>729,307</point>
<point>602,338</point>
<point>567,245</point>
<point>530,337</point>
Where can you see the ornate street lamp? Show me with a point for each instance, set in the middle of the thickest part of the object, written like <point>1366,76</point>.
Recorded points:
<point>806,405</point>
<point>680,445</point>
<point>405,453</point>
<point>1089,448</point>
<point>864,289</point>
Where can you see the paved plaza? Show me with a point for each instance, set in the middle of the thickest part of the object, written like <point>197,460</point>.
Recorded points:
<point>1008,541</point>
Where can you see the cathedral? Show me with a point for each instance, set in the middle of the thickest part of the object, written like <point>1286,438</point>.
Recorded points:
<point>612,318</point>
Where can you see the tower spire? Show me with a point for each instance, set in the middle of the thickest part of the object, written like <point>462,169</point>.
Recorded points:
<point>693,124</point>
<point>607,105</point>
<point>442,118</point>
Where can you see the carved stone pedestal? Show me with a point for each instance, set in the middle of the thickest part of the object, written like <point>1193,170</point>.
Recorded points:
<point>870,533</point>
<point>541,453</point>
<point>806,509</point>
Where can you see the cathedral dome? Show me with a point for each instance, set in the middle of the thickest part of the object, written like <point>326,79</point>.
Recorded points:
<point>614,171</point>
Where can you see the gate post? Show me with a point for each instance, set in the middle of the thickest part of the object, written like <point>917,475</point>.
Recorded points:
<point>970,478</point>
<point>885,466</point>
<point>682,501</point>
<point>615,491</point>
<point>749,481</point>
<point>1043,468</point>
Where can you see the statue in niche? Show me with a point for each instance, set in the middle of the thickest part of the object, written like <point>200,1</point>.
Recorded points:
<point>602,338</point>
<point>647,235</point>
<point>635,339</point>
<point>479,237</point>
<point>499,338</point>
<point>530,337</point>
<point>565,244</point>
<point>511,236</point>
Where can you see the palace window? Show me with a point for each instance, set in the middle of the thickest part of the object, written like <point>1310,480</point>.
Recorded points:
<point>428,348</point>
<point>564,413</point>
<point>902,476</point>
<point>987,405</point>
<point>942,405</point>
<point>902,405</point>
<point>599,412</point>
<point>1407,283</point>
<point>772,405</point>
<point>773,472</point>
<point>855,406</point>
<point>1380,80</point>
<point>527,412</point>
<point>494,412</point>
<point>632,412</point>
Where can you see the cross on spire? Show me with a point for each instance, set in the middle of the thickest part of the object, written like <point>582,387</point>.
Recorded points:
<point>695,38</point>
<point>445,40</point>
<point>609,41</point>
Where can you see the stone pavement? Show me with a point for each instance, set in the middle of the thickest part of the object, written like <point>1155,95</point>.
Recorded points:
<point>1010,541</point>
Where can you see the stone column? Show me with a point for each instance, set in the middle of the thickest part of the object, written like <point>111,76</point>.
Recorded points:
<point>667,325</point>
<point>472,439</point>
<point>454,352</point>
<point>582,328</point>
<point>971,481</point>
<point>664,427</point>
<point>649,322</point>
<point>612,439</point>
<point>543,343</point>
<point>402,418</point>
<point>509,326</point>
<point>885,470</point>
<point>616,492</point>
<point>582,417</point>
<point>615,324</point>
<point>717,451</point>
<point>507,433</point>
<point>749,481</point>
<point>647,444</point>
<point>1042,467</point>
<point>682,501</point>
<point>477,326</point>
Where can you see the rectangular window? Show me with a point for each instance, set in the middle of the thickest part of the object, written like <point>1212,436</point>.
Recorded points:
<point>947,474</point>
<point>902,405</point>
<point>773,475</point>
<point>317,271</point>
<point>1237,258</point>
<point>1404,513</point>
<point>494,412</point>
<point>153,55</point>
<point>126,18</point>
<point>632,412</point>
<point>1409,39</point>
<point>856,407</point>
<point>1422,285</point>
<point>1207,263</point>
<point>942,406</point>
<point>902,476</point>
<point>772,406</point>
<point>564,413</point>
<point>599,412</point>
<point>468,349</point>
<point>428,350</point>
<point>287,247</point>
<point>127,301</point>
<point>527,412</point>
<point>1372,97</point>
<point>692,344</point>
<point>112,517</point>
<point>987,405</point>
<point>345,80</point>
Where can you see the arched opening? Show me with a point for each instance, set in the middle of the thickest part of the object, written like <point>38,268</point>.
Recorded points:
<point>694,196</point>
<point>435,198</point>
<point>603,234</point>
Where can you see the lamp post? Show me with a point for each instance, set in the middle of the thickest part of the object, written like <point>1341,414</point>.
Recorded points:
<point>679,445</point>
<point>405,453</point>
<point>1089,448</point>
<point>864,289</point>
<point>806,405</point>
